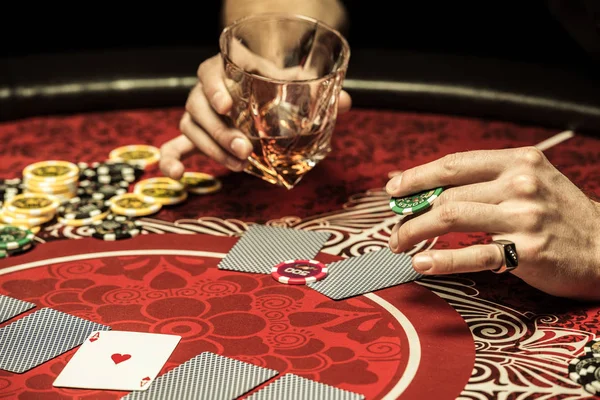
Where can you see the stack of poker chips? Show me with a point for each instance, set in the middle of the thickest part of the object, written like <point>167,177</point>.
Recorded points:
<point>55,177</point>
<point>46,184</point>
<point>15,240</point>
<point>104,180</point>
<point>29,210</point>
<point>161,190</point>
<point>98,184</point>
<point>151,195</point>
<point>585,370</point>
<point>116,227</point>
<point>97,195</point>
<point>82,211</point>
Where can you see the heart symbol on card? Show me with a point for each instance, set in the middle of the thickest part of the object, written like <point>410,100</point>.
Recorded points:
<point>119,358</point>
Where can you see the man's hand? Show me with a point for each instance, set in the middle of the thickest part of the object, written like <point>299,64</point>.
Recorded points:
<point>204,125</point>
<point>513,194</point>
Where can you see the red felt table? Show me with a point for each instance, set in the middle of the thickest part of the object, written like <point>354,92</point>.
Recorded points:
<point>476,335</point>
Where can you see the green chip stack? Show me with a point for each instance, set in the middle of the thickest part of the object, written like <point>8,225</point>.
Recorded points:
<point>14,240</point>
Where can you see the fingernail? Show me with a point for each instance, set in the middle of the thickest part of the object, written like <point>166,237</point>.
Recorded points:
<point>394,184</point>
<point>422,262</point>
<point>218,102</point>
<point>394,238</point>
<point>240,148</point>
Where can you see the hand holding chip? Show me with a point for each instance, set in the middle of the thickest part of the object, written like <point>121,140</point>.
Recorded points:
<point>513,194</point>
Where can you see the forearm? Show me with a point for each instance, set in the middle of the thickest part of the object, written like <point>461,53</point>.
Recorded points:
<point>331,12</point>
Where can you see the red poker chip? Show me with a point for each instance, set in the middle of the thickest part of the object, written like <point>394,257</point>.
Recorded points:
<point>299,272</point>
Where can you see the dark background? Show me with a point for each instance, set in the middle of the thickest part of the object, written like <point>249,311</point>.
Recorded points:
<point>531,61</point>
<point>524,30</point>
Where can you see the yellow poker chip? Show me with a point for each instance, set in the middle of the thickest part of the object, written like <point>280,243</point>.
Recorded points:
<point>51,189</point>
<point>160,181</point>
<point>23,217</point>
<point>47,176</point>
<point>33,204</point>
<point>200,182</point>
<point>139,154</point>
<point>132,205</point>
<point>52,186</point>
<point>35,229</point>
<point>83,221</point>
<point>63,197</point>
<point>162,190</point>
<point>51,171</point>
<point>23,220</point>
<point>161,194</point>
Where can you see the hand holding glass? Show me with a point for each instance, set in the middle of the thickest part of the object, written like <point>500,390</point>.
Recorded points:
<point>285,74</point>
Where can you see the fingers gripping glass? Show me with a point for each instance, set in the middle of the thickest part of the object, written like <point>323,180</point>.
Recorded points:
<point>285,74</point>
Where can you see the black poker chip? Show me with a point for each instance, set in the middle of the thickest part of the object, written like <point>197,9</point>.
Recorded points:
<point>20,250</point>
<point>9,184</point>
<point>118,168</point>
<point>590,377</point>
<point>110,172</point>
<point>115,178</point>
<point>15,252</point>
<point>85,171</point>
<point>102,191</point>
<point>579,363</point>
<point>115,227</point>
<point>10,188</point>
<point>82,208</point>
<point>592,348</point>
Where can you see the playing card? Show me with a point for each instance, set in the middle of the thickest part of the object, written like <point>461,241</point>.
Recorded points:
<point>366,273</point>
<point>11,307</point>
<point>294,387</point>
<point>41,336</point>
<point>207,376</point>
<point>118,360</point>
<point>261,247</point>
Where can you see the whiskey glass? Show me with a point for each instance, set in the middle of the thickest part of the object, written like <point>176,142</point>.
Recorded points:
<point>285,73</point>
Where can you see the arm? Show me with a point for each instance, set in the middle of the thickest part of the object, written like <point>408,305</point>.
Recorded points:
<point>202,125</point>
<point>331,12</point>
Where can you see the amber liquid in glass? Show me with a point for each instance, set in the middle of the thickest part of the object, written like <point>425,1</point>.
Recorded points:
<point>288,133</point>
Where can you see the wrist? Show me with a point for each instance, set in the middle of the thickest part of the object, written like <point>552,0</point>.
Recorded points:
<point>331,12</point>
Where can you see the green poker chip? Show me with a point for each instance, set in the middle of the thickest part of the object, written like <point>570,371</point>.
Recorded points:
<point>414,203</point>
<point>13,237</point>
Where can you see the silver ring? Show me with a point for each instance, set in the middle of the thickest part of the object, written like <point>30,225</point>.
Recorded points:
<point>510,258</point>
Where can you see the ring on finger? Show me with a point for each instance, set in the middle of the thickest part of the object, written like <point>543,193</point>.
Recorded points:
<point>510,258</point>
